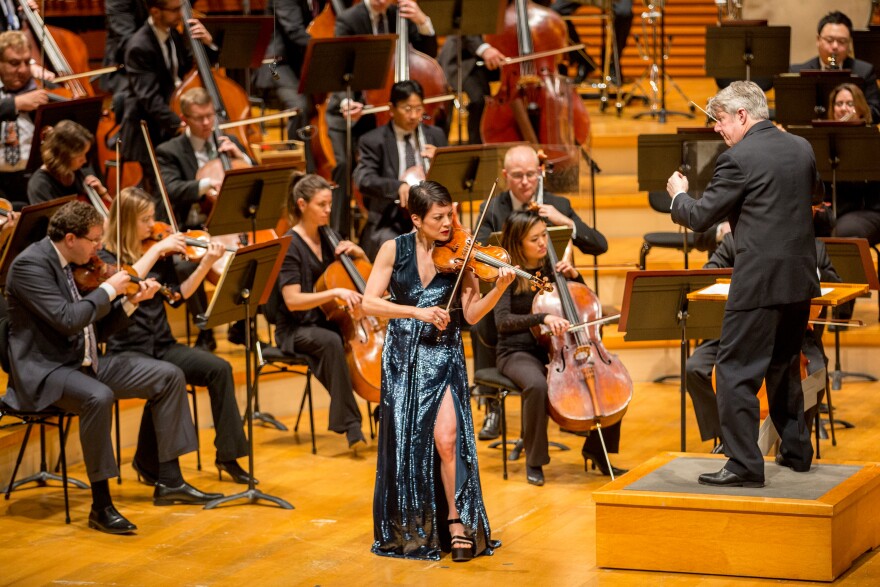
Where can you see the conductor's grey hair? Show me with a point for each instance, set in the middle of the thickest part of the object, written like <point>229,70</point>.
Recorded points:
<point>740,94</point>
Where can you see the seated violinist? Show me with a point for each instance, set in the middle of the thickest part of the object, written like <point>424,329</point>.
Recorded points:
<point>65,150</point>
<point>522,359</point>
<point>301,325</point>
<point>150,334</point>
<point>19,97</point>
<point>390,159</point>
<point>181,158</point>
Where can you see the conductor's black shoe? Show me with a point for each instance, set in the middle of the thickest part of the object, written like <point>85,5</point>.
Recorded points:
<point>205,341</point>
<point>725,478</point>
<point>110,521</point>
<point>535,475</point>
<point>234,470</point>
<point>492,424</point>
<point>719,449</point>
<point>185,494</point>
<point>796,467</point>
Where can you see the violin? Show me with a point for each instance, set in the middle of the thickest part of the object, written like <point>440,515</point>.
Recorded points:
<point>196,241</point>
<point>364,336</point>
<point>90,276</point>
<point>484,262</point>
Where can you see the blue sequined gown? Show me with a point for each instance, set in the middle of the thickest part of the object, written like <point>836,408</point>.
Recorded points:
<point>409,504</point>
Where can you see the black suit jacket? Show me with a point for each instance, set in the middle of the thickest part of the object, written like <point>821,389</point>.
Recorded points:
<point>448,57</point>
<point>863,69</point>
<point>379,165</point>
<point>178,165</point>
<point>764,186</point>
<point>46,339</point>
<point>587,240</point>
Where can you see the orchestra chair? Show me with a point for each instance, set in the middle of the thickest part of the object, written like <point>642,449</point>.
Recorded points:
<point>281,362</point>
<point>489,383</point>
<point>682,240</point>
<point>51,416</point>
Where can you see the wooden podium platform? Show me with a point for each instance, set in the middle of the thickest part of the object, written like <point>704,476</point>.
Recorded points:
<point>803,526</point>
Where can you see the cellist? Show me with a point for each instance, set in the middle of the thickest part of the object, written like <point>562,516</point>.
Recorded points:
<point>156,58</point>
<point>522,359</point>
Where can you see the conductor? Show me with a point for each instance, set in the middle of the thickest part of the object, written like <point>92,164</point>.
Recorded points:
<point>763,185</point>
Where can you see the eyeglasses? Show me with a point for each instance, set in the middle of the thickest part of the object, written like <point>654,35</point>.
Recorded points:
<point>411,109</point>
<point>842,41</point>
<point>519,176</point>
<point>95,241</point>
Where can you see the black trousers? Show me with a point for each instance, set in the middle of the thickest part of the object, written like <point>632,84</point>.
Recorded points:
<point>327,361</point>
<point>122,376</point>
<point>340,217</point>
<point>762,344</point>
<point>205,369</point>
<point>530,375</point>
<point>698,375</point>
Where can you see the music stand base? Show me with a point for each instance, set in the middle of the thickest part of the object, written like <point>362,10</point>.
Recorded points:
<point>42,480</point>
<point>838,376</point>
<point>267,418</point>
<point>253,496</point>
<point>668,378</point>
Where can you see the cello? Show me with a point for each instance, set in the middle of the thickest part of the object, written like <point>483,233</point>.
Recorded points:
<point>364,336</point>
<point>534,103</point>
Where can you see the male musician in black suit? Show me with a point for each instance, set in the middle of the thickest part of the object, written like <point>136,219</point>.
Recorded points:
<point>702,361</point>
<point>521,172</point>
<point>833,42</point>
<point>122,19</point>
<point>179,161</point>
<point>156,59</point>
<point>763,185</point>
<point>53,334</point>
<point>474,78</point>
<point>370,17</point>
<point>387,158</point>
<point>19,98</point>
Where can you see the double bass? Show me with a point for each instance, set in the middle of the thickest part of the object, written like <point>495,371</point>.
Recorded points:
<point>364,336</point>
<point>534,103</point>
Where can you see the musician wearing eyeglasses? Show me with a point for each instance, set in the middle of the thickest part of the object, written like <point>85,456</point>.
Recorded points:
<point>834,45</point>
<point>391,159</point>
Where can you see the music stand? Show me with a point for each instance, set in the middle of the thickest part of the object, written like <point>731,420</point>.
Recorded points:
<point>31,227</point>
<point>350,64</point>
<point>803,97</point>
<point>484,17</point>
<point>84,111</point>
<point>252,199</point>
<point>467,169</point>
<point>867,44</point>
<point>655,307</point>
<point>743,52</point>
<point>246,283</point>
<point>242,39</point>
<point>851,259</point>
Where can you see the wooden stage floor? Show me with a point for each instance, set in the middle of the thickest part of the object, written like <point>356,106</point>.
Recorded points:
<point>548,532</point>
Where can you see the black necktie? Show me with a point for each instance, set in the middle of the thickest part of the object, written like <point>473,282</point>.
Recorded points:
<point>92,341</point>
<point>381,26</point>
<point>409,154</point>
<point>172,63</point>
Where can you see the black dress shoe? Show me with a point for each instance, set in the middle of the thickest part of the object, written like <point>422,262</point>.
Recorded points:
<point>143,476</point>
<point>725,478</point>
<point>592,461</point>
<point>236,334</point>
<point>796,467</point>
<point>206,341</point>
<point>110,521</point>
<point>535,475</point>
<point>492,424</point>
<point>234,470</point>
<point>186,493</point>
<point>355,436</point>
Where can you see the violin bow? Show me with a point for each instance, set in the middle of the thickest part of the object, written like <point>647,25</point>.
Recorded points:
<point>172,220</point>
<point>118,206</point>
<point>470,248</point>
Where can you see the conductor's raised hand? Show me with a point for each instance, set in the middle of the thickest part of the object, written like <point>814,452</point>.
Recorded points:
<point>676,184</point>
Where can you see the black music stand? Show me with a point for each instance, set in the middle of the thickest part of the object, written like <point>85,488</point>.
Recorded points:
<point>350,64</point>
<point>484,17</point>
<point>744,52</point>
<point>83,111</point>
<point>655,307</point>
<point>843,153</point>
<point>31,227</point>
<point>245,284</point>
<point>867,44</point>
<point>468,169</point>
<point>242,39</point>
<point>803,97</point>
<point>250,199</point>
<point>851,258</point>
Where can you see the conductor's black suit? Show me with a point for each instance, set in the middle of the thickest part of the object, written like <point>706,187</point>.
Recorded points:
<point>763,185</point>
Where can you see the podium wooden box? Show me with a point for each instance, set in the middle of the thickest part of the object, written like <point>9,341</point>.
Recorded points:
<point>747,535</point>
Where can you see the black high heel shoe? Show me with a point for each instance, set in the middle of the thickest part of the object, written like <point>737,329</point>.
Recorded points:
<point>461,554</point>
<point>234,470</point>
<point>592,461</point>
<point>143,476</point>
